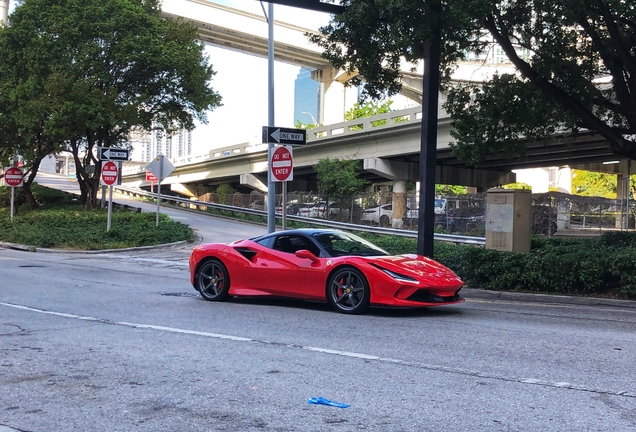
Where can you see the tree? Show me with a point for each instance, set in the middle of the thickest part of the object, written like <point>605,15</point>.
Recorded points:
<point>338,177</point>
<point>100,69</point>
<point>450,190</point>
<point>588,183</point>
<point>368,109</point>
<point>575,64</point>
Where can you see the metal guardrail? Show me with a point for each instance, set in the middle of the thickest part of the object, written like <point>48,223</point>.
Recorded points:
<point>450,238</point>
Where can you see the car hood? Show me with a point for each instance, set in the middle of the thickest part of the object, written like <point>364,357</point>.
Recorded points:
<point>415,266</point>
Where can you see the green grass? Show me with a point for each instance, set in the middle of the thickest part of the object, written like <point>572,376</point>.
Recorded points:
<point>62,223</point>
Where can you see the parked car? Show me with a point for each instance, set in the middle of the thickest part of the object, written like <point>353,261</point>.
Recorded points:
<point>382,215</point>
<point>257,205</point>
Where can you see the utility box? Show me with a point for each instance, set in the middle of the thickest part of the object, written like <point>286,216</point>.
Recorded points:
<point>508,219</point>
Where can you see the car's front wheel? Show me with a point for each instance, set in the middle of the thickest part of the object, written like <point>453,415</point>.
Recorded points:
<point>348,291</point>
<point>212,280</point>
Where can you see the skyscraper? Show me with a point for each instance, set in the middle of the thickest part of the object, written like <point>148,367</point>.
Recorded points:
<point>306,98</point>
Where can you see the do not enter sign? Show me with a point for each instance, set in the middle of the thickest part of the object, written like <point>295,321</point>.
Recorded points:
<point>109,173</point>
<point>13,177</point>
<point>282,164</point>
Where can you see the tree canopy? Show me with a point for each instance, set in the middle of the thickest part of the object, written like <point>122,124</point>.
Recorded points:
<point>77,74</point>
<point>339,177</point>
<point>575,64</point>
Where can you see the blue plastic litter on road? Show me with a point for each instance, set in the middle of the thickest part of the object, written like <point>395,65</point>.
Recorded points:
<point>323,401</point>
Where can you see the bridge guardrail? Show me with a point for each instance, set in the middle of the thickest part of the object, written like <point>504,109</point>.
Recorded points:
<point>451,238</point>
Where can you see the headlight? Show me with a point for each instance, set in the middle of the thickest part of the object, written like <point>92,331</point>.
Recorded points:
<point>398,276</point>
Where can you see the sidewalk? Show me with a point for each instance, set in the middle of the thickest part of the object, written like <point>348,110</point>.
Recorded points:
<point>472,293</point>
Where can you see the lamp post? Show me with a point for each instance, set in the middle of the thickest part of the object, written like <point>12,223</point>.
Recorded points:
<point>312,117</point>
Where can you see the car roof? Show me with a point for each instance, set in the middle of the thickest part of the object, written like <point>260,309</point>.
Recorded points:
<point>305,231</point>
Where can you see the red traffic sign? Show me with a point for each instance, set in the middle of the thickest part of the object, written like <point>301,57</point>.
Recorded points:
<point>151,177</point>
<point>13,177</point>
<point>282,164</point>
<point>109,173</point>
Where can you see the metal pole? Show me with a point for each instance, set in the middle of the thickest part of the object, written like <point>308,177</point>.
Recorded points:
<point>110,207</point>
<point>428,143</point>
<point>271,185</point>
<point>629,184</point>
<point>12,199</point>
<point>159,187</point>
<point>284,205</point>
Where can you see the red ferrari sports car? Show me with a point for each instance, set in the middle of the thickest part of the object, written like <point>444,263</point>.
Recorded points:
<point>324,265</point>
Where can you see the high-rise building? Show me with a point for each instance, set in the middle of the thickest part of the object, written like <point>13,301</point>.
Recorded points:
<point>147,145</point>
<point>306,98</point>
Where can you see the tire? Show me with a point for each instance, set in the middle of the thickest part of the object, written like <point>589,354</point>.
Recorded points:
<point>384,221</point>
<point>348,291</point>
<point>212,280</point>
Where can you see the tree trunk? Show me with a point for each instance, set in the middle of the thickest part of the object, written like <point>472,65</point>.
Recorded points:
<point>26,187</point>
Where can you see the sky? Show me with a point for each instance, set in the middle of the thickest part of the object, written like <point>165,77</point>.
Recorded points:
<point>241,79</point>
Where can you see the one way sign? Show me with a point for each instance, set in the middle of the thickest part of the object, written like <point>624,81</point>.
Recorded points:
<point>107,153</point>
<point>288,136</point>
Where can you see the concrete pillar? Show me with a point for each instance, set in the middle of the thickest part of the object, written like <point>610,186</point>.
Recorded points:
<point>621,189</point>
<point>253,182</point>
<point>399,203</point>
<point>4,12</point>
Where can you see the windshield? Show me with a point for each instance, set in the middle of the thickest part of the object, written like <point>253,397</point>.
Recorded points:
<point>439,203</point>
<point>340,243</point>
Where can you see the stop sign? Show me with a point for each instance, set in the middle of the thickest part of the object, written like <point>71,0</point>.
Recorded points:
<point>13,177</point>
<point>282,164</point>
<point>109,173</point>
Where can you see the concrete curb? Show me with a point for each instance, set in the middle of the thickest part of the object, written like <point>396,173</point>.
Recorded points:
<point>24,248</point>
<point>473,293</point>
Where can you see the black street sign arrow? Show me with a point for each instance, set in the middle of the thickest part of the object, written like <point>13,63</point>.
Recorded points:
<point>107,153</point>
<point>288,136</point>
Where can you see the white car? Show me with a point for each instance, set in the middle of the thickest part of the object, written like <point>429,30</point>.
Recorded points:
<point>383,214</point>
<point>380,215</point>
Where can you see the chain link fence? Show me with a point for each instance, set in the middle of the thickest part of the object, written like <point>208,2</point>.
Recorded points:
<point>553,213</point>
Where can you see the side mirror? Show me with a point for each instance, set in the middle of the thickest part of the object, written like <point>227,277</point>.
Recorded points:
<point>304,253</point>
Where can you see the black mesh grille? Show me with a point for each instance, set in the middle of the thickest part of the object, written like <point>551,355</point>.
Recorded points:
<point>426,297</point>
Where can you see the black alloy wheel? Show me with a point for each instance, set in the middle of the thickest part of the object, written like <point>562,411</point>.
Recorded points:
<point>348,291</point>
<point>213,281</point>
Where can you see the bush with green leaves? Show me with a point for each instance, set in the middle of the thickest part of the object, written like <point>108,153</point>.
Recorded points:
<point>61,222</point>
<point>603,266</point>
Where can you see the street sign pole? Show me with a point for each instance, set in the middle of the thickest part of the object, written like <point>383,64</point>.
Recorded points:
<point>110,175</point>
<point>284,205</point>
<point>271,185</point>
<point>12,199</point>
<point>159,188</point>
<point>110,208</point>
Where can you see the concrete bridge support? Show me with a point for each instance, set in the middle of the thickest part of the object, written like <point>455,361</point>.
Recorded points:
<point>400,173</point>
<point>399,203</point>
<point>4,12</point>
<point>192,190</point>
<point>623,197</point>
<point>250,180</point>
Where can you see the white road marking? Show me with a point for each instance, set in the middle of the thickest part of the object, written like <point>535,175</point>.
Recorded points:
<point>438,368</point>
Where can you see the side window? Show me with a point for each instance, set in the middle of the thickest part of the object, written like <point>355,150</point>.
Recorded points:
<point>284,244</point>
<point>266,242</point>
<point>293,243</point>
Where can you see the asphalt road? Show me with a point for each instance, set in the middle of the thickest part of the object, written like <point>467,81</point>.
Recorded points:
<point>121,342</point>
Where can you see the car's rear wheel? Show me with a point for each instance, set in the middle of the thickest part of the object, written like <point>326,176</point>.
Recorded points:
<point>384,221</point>
<point>348,291</point>
<point>212,280</point>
